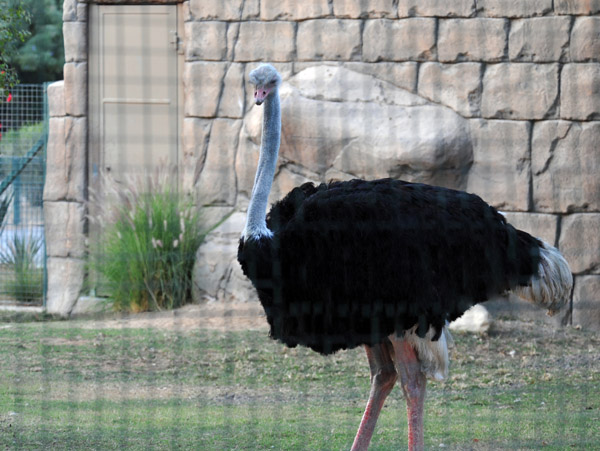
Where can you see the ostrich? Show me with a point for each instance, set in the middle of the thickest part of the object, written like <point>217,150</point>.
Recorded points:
<point>383,264</point>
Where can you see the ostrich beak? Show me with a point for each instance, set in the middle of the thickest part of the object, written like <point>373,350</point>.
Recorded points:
<point>260,94</point>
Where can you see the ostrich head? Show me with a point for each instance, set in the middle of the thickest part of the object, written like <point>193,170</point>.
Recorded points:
<point>265,79</point>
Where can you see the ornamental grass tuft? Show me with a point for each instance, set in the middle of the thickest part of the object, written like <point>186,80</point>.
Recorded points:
<point>149,237</point>
<point>22,255</point>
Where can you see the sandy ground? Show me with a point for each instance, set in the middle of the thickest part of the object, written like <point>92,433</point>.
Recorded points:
<point>225,316</point>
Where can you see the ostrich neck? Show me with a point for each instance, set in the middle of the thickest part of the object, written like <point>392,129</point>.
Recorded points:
<point>256,223</point>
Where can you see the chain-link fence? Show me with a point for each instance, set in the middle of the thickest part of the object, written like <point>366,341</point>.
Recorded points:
<point>23,132</point>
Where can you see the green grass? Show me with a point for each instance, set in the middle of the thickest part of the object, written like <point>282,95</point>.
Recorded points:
<point>18,142</point>
<point>67,385</point>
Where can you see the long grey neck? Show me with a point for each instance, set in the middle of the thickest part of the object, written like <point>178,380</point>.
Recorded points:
<point>256,223</point>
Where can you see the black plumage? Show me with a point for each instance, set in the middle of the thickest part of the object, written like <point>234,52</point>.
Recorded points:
<point>350,263</point>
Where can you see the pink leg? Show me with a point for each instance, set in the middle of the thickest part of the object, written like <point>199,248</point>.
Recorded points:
<point>383,377</point>
<point>413,385</point>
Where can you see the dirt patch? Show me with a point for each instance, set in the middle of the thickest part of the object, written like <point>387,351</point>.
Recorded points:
<point>223,316</point>
<point>59,341</point>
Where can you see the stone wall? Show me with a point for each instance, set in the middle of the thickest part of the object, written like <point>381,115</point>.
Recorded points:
<point>523,75</point>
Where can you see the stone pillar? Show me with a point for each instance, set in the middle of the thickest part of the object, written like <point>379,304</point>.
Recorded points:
<point>64,209</point>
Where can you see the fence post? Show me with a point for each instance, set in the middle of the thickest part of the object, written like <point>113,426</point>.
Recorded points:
<point>16,161</point>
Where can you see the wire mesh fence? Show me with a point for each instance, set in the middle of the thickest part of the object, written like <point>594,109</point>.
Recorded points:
<point>22,168</point>
<point>207,375</point>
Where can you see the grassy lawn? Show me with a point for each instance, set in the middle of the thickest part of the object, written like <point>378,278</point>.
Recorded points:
<point>66,386</point>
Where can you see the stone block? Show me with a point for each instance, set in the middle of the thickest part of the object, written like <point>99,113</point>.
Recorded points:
<point>585,39</point>
<point>55,186</point>
<point>541,39</point>
<point>74,170</point>
<point>477,39</point>
<point>437,8</point>
<point>399,40</point>
<point>402,75</point>
<point>251,10</point>
<point>246,158</point>
<point>216,9</point>
<point>500,173</point>
<point>233,31</point>
<point>328,39</point>
<point>539,225</point>
<point>64,223</point>
<point>82,12</point>
<point>65,159</point>
<point>217,182</point>
<point>56,99</point>
<point>65,282</point>
<point>293,10</point>
<point>586,302</point>
<point>580,92</point>
<point>186,11</point>
<point>69,10</point>
<point>256,41</point>
<point>577,7</point>
<point>580,242</point>
<point>195,142</point>
<point>520,91</point>
<point>454,85</point>
<point>205,41</point>
<point>233,96</point>
<point>75,41</point>
<point>359,9</point>
<point>202,82</point>
<point>76,92</point>
<point>511,9</point>
<point>565,166</point>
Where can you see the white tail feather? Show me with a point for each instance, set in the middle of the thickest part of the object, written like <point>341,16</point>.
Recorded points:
<point>433,355</point>
<point>551,288</point>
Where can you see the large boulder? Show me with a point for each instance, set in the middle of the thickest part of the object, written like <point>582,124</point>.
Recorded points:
<point>337,123</point>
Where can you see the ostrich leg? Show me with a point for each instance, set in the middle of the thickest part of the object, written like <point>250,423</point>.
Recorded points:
<point>413,385</point>
<point>383,377</point>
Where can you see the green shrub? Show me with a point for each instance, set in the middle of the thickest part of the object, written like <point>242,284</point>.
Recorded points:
<point>147,250</point>
<point>27,283</point>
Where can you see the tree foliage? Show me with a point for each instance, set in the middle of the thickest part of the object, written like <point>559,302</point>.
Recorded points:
<point>13,30</point>
<point>40,57</point>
